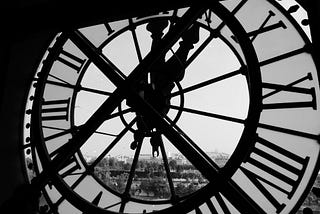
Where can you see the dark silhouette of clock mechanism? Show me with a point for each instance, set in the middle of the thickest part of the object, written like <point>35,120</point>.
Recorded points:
<point>156,88</point>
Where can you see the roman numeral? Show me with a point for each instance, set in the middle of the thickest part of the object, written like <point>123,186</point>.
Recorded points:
<point>283,164</point>
<point>305,49</point>
<point>211,207</point>
<point>293,89</point>
<point>264,27</point>
<point>222,204</point>
<point>70,167</point>
<point>215,205</point>
<point>71,60</point>
<point>55,110</point>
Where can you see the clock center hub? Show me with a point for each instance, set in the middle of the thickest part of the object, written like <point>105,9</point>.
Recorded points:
<point>154,97</point>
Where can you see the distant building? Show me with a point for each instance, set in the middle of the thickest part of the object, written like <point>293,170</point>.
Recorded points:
<point>122,158</point>
<point>145,156</point>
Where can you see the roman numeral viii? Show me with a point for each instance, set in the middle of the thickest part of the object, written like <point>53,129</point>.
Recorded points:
<point>268,163</point>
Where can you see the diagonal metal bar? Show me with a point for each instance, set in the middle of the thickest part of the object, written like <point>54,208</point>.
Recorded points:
<point>208,114</point>
<point>126,194</point>
<point>167,169</point>
<point>208,82</point>
<point>135,41</point>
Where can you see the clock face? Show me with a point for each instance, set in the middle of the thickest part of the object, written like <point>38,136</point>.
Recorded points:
<point>194,110</point>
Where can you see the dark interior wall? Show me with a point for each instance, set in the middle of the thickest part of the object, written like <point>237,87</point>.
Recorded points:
<point>21,62</point>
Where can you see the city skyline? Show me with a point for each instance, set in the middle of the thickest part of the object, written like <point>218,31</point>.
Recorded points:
<point>169,155</point>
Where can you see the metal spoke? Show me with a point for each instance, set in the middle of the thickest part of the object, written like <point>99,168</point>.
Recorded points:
<point>200,49</point>
<point>59,134</point>
<point>74,185</point>
<point>66,131</point>
<point>112,144</point>
<point>78,88</point>
<point>96,91</point>
<point>167,168</point>
<point>135,40</point>
<point>126,194</point>
<point>118,114</point>
<point>208,82</point>
<point>208,114</point>
<point>242,121</point>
